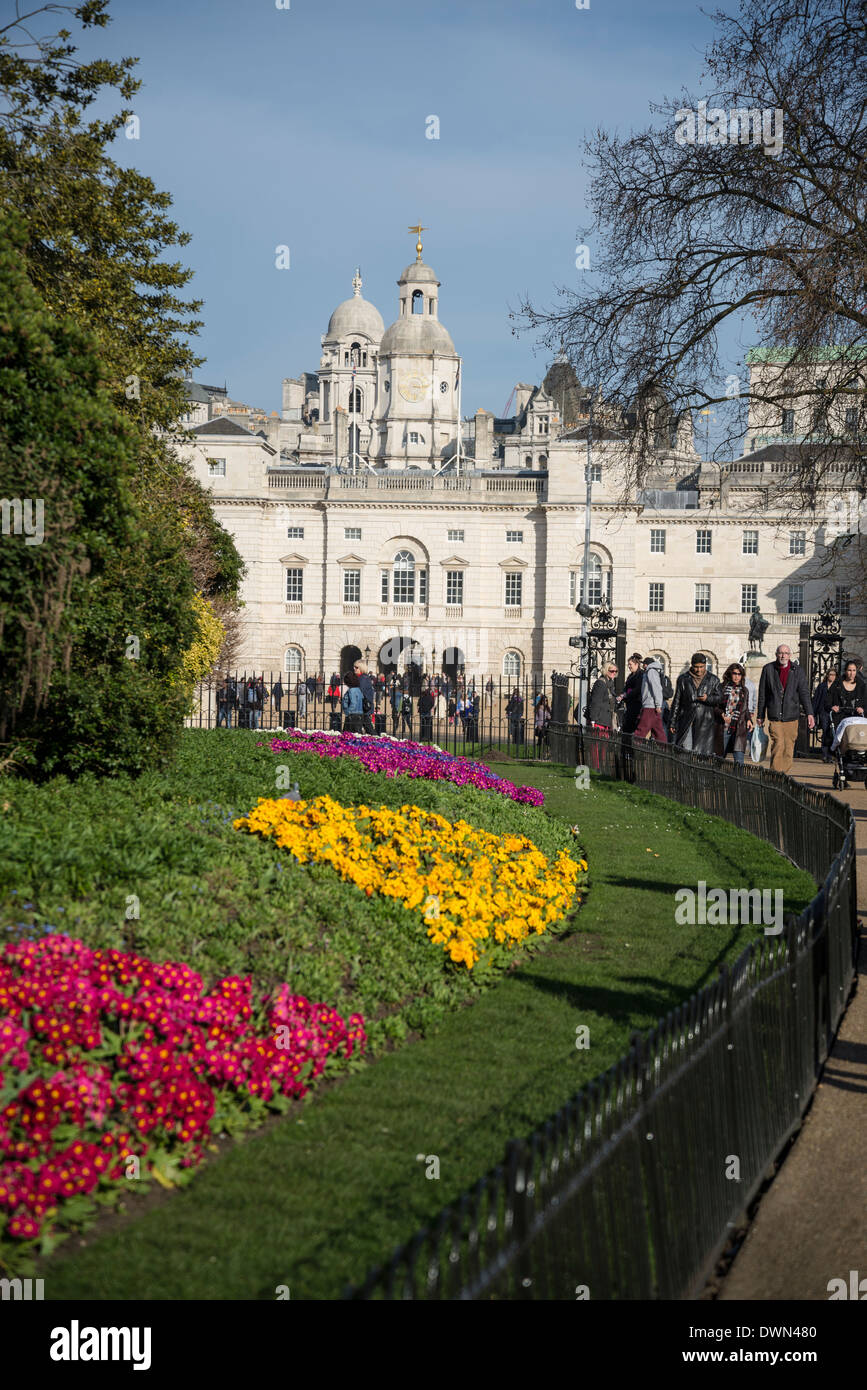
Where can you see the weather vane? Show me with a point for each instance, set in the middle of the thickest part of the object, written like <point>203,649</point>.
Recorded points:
<point>418,229</point>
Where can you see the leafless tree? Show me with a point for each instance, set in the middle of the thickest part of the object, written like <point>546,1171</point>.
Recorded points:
<point>742,207</point>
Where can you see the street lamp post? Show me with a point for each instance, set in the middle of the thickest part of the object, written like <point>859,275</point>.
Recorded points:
<point>584,608</point>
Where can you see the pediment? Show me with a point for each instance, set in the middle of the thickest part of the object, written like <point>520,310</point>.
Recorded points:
<point>294,560</point>
<point>455,560</point>
<point>514,563</point>
<point>351,560</point>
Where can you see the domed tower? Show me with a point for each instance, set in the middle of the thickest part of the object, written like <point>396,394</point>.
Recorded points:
<point>347,372</point>
<point>417,378</point>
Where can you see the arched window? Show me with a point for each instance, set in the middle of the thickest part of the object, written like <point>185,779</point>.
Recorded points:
<point>293,661</point>
<point>356,404</point>
<point>403,590</point>
<point>417,302</point>
<point>543,460</point>
<point>512,664</point>
<point>528,460</point>
<point>598,583</point>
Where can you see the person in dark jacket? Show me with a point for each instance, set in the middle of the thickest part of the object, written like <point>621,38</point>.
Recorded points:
<point>603,702</point>
<point>783,694</point>
<point>693,719</point>
<point>368,695</point>
<point>822,710</point>
<point>515,716</point>
<point>425,711</point>
<point>277,695</point>
<point>846,696</point>
<point>734,721</point>
<point>629,701</point>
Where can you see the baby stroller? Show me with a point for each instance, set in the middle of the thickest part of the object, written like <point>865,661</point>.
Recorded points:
<point>849,748</point>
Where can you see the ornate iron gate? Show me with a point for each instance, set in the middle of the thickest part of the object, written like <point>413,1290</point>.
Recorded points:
<point>606,641</point>
<point>822,647</point>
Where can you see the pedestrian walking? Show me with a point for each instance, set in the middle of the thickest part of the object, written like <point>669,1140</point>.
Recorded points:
<point>822,711</point>
<point>693,718</point>
<point>224,714</point>
<point>652,698</point>
<point>334,690</point>
<point>352,703</point>
<point>629,700</point>
<point>396,702</point>
<point>734,720</point>
<point>277,695</point>
<point>541,720</point>
<point>783,694</point>
<point>425,712</point>
<point>515,716</point>
<point>301,693</point>
<point>846,694</point>
<point>368,696</point>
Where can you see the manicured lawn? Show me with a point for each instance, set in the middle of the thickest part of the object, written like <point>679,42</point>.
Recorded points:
<point>324,1193</point>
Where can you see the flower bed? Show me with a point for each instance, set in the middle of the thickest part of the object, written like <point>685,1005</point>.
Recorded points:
<point>480,894</point>
<point>396,756</point>
<point>115,1064</point>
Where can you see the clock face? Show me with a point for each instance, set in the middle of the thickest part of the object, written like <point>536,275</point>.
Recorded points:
<point>412,388</point>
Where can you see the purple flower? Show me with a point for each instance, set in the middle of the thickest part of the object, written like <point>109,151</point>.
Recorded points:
<point>411,759</point>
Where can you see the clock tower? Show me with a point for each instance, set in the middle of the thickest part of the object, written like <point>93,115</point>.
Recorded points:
<point>417,378</point>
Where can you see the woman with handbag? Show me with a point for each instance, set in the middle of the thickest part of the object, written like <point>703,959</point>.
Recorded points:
<point>734,721</point>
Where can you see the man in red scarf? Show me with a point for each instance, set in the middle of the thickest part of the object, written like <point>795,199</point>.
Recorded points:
<point>782,693</point>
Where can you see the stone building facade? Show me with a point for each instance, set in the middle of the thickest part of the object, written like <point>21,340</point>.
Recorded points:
<point>364,525</point>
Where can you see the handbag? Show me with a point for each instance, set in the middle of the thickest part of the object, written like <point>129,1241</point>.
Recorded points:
<point>758,744</point>
<point>366,705</point>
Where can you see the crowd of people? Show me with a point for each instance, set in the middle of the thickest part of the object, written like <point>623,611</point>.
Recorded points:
<point>702,713</point>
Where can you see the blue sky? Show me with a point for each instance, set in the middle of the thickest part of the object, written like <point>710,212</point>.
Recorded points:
<point>306,127</point>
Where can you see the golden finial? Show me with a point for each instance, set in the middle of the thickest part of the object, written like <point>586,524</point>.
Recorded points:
<point>418,229</point>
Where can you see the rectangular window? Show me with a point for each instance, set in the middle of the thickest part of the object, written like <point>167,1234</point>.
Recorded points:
<point>574,581</point>
<point>796,598</point>
<point>843,600</point>
<point>422,586</point>
<point>702,542</point>
<point>851,420</point>
<point>702,598</point>
<point>749,597</point>
<point>596,472</point>
<point>514,537</point>
<point>788,422</point>
<point>352,586</point>
<point>352,533</point>
<point>797,543</point>
<point>216,468</point>
<point>456,535</point>
<point>413,437</point>
<point>295,533</point>
<point>294,586</point>
<point>454,587</point>
<point>656,598</point>
<point>514,585</point>
<point>751,543</point>
<point>384,589</point>
<point>657,542</point>
<point>403,587</point>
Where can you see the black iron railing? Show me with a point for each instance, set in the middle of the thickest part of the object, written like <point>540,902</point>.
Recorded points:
<point>632,1189</point>
<point>468,714</point>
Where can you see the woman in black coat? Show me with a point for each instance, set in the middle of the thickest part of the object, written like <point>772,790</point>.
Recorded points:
<point>603,702</point>
<point>693,710</point>
<point>629,702</point>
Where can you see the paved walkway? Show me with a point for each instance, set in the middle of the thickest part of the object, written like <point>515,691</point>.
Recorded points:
<point>811,1225</point>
